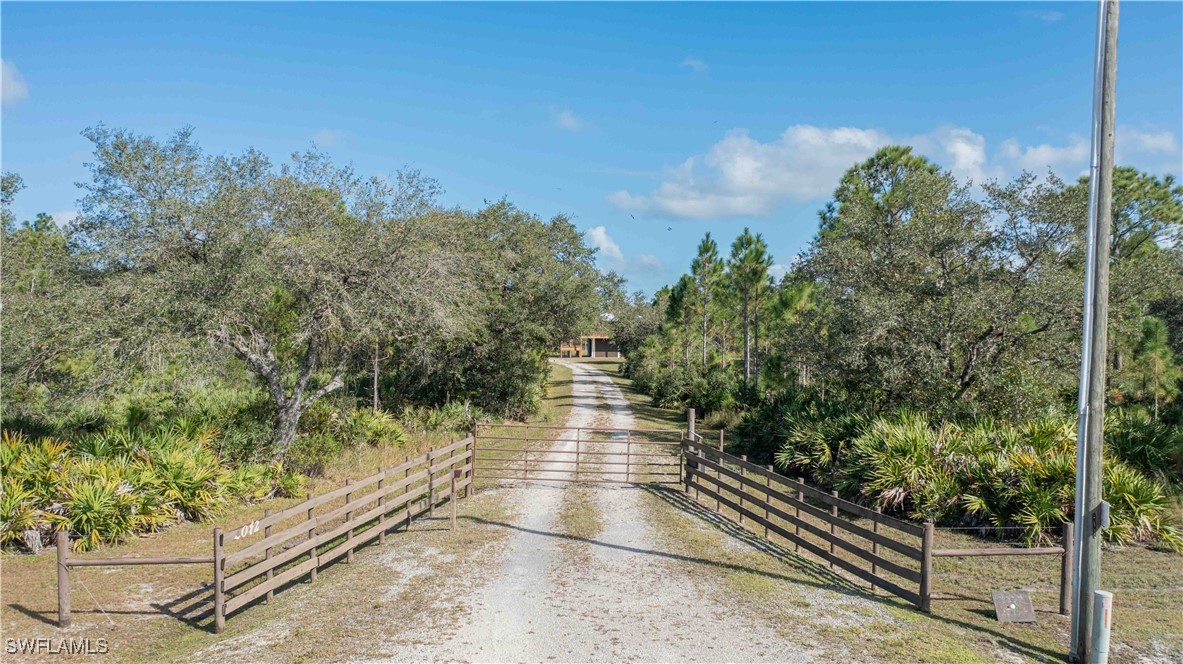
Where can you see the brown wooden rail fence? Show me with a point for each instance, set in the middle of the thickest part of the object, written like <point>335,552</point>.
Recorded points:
<point>1063,552</point>
<point>812,519</point>
<point>281,547</point>
<point>895,555</point>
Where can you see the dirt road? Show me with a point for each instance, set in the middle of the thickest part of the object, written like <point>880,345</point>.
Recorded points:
<point>606,598</point>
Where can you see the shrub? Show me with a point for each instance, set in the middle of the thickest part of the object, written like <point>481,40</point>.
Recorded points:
<point>312,453</point>
<point>998,475</point>
<point>18,511</point>
<point>100,510</point>
<point>800,432</point>
<point>1145,443</point>
<point>454,416</point>
<point>367,427</point>
<point>722,419</point>
<point>289,485</point>
<point>106,487</point>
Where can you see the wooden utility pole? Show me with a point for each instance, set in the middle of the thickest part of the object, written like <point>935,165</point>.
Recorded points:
<point>1091,404</point>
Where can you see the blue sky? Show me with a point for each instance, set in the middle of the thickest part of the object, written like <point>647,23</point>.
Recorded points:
<point>648,124</point>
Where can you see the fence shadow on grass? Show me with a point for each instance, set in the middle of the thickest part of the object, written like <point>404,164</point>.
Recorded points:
<point>48,617</point>
<point>819,572</point>
<point>195,609</point>
<point>824,578</point>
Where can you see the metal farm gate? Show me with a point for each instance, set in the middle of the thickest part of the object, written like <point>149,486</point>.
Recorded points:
<point>577,454</point>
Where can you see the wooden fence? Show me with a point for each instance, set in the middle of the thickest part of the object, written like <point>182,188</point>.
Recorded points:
<point>332,525</point>
<point>813,520</point>
<point>308,541</point>
<point>1064,553</point>
<point>891,554</point>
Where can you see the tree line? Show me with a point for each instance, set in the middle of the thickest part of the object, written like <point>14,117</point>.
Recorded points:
<point>919,290</point>
<point>269,288</point>
<point>922,353</point>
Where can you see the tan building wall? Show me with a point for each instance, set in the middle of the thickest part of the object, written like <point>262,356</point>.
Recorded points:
<point>596,344</point>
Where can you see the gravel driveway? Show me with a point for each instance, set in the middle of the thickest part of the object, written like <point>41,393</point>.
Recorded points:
<point>617,602</point>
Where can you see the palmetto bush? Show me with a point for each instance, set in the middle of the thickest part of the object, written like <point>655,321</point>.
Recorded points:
<point>994,474</point>
<point>1149,445</point>
<point>364,426</point>
<point>816,445</point>
<point>802,433</point>
<point>101,510</point>
<point>18,511</point>
<point>109,486</point>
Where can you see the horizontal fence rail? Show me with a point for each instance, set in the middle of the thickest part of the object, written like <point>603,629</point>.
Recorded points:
<point>577,454</point>
<point>1064,552</point>
<point>888,553</point>
<point>65,563</point>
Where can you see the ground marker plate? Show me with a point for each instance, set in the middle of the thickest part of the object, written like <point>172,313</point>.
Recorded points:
<point>1013,606</point>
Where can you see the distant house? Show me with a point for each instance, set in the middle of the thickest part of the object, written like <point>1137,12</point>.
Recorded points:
<point>595,344</point>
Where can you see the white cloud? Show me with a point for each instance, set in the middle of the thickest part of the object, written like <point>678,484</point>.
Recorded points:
<point>1140,141</point>
<point>960,150</point>
<point>326,138</point>
<point>64,217</point>
<point>741,176</point>
<point>610,256</point>
<point>648,262</point>
<point>568,121</point>
<point>696,64</point>
<point>778,271</point>
<point>1039,158</point>
<point>12,85</point>
<point>609,250</point>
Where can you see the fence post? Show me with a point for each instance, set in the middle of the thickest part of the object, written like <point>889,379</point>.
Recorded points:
<point>430,483</point>
<point>348,518</point>
<point>742,489</point>
<point>686,451</point>
<point>526,453</point>
<point>1066,563</point>
<point>381,502</point>
<point>719,474</point>
<point>926,569</point>
<point>63,545</point>
<point>875,545</point>
<point>833,526</point>
<point>452,502</point>
<point>219,577</point>
<point>797,513</point>
<point>407,489</point>
<point>267,553</point>
<point>470,488</point>
<point>767,498</point>
<point>311,535</point>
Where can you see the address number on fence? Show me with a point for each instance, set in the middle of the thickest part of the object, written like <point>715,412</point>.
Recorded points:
<point>247,530</point>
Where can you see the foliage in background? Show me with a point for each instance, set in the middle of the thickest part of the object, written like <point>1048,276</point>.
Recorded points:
<point>919,294</point>
<point>295,308</point>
